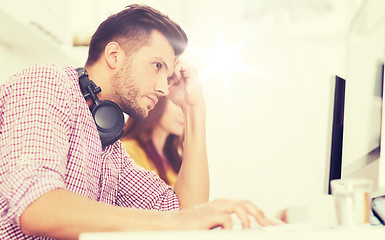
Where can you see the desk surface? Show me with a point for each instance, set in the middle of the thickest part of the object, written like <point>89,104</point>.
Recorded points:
<point>365,232</point>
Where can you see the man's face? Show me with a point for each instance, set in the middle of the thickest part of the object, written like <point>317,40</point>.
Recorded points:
<point>143,77</point>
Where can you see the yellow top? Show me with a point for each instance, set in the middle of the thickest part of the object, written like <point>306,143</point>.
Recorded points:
<point>137,153</point>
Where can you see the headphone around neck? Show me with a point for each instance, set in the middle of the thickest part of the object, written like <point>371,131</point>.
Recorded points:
<point>107,115</point>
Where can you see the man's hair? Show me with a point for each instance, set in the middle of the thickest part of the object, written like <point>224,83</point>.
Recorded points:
<point>131,29</point>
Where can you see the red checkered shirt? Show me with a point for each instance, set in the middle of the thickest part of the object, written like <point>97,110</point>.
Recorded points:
<point>48,140</point>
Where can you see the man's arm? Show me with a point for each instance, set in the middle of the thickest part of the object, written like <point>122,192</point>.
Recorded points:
<point>64,215</point>
<point>192,184</point>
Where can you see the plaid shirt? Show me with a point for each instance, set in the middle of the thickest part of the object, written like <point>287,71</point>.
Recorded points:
<point>48,140</point>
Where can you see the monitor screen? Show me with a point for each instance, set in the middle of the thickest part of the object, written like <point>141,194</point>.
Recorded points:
<point>360,144</point>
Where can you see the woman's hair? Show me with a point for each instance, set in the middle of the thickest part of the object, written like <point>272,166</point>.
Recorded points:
<point>141,131</point>
<point>131,28</point>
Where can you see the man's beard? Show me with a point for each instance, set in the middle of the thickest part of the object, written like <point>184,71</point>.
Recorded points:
<point>131,106</point>
<point>126,94</point>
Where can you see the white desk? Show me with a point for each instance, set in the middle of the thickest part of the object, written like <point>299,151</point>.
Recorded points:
<point>361,233</point>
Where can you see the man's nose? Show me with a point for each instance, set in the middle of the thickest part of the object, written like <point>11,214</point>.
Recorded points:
<point>162,87</point>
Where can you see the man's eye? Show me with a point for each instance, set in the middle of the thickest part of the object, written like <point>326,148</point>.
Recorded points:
<point>158,65</point>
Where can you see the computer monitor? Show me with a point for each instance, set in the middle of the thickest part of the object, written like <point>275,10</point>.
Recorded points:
<point>335,166</point>
<point>356,149</point>
<point>360,144</point>
<point>361,148</point>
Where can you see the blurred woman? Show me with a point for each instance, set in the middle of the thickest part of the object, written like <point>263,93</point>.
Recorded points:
<point>155,142</point>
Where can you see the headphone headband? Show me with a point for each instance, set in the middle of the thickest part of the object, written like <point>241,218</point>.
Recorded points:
<point>85,82</point>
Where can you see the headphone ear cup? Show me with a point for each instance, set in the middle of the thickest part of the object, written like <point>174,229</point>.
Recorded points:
<point>109,121</point>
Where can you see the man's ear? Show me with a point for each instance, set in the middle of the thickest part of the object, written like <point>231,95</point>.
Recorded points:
<point>111,54</point>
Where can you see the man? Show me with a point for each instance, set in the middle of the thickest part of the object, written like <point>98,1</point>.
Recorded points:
<point>57,179</point>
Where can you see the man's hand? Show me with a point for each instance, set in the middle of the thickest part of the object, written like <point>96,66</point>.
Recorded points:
<point>185,90</point>
<point>218,214</point>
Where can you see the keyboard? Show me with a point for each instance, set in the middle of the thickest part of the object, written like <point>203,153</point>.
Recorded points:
<point>278,226</point>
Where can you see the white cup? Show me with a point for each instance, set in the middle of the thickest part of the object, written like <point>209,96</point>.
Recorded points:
<point>352,201</point>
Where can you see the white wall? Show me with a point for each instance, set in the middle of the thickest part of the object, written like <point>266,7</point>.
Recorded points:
<point>269,127</point>
<point>268,123</point>
<point>36,33</point>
